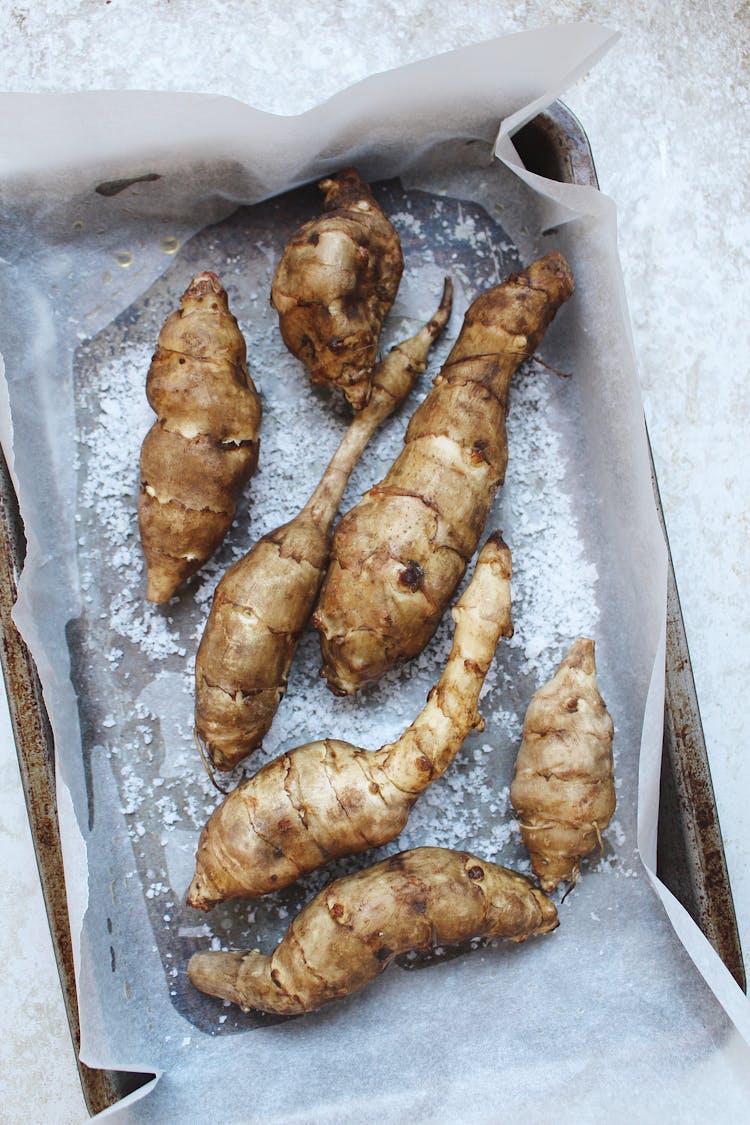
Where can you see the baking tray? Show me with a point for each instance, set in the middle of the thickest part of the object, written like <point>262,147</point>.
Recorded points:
<point>690,855</point>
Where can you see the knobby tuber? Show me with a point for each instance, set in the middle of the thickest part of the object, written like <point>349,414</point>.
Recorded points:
<point>334,285</point>
<point>563,787</point>
<point>349,932</point>
<point>263,602</point>
<point>203,448</point>
<point>399,554</point>
<point>328,798</point>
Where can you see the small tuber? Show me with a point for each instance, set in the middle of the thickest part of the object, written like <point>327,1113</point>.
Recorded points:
<point>563,786</point>
<point>350,932</point>
<point>264,601</point>
<point>399,554</point>
<point>328,798</point>
<point>334,285</point>
<point>203,448</point>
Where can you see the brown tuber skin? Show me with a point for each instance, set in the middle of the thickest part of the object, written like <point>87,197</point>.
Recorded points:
<point>335,284</point>
<point>328,799</point>
<point>563,787</point>
<point>203,448</point>
<point>399,554</point>
<point>263,602</point>
<point>350,932</point>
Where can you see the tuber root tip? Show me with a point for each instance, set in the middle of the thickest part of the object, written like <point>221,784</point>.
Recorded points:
<point>203,283</point>
<point>208,759</point>
<point>196,896</point>
<point>160,586</point>
<point>497,538</point>
<point>215,973</point>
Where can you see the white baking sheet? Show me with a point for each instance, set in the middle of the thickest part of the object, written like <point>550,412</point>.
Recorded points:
<point>610,1012</point>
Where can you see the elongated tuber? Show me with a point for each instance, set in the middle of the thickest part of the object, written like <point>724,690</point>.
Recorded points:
<point>399,554</point>
<point>563,787</point>
<point>203,448</point>
<point>334,285</point>
<point>263,602</point>
<point>328,798</point>
<point>349,933</point>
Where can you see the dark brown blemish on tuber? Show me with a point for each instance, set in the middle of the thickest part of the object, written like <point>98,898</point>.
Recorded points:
<point>412,576</point>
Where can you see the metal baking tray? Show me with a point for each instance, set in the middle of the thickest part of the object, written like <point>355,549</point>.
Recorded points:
<point>690,858</point>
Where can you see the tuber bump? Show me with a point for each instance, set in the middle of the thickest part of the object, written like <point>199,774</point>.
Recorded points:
<point>334,285</point>
<point>203,448</point>
<point>563,787</point>
<point>399,554</point>
<point>328,798</point>
<point>349,932</point>
<point>263,602</point>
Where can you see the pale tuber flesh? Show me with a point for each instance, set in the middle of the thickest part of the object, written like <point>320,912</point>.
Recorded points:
<point>334,285</point>
<point>264,601</point>
<point>203,448</point>
<point>328,798</point>
<point>399,554</point>
<point>563,787</point>
<point>349,932</point>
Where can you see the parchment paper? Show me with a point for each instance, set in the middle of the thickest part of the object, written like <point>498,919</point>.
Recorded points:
<point>610,1014</point>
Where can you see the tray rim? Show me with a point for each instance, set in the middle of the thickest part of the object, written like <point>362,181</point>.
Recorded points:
<point>687,800</point>
<point>690,852</point>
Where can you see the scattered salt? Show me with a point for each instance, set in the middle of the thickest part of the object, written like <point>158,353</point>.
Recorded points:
<point>148,673</point>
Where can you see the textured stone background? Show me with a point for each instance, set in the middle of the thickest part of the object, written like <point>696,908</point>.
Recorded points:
<point>666,113</point>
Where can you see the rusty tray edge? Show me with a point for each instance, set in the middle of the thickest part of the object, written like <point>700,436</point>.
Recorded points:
<point>690,851</point>
<point>36,759</point>
<point>690,859</point>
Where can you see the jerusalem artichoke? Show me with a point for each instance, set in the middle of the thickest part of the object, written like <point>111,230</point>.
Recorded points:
<point>563,787</point>
<point>349,933</point>
<point>203,448</point>
<point>334,285</point>
<point>399,554</point>
<point>264,601</point>
<point>328,798</point>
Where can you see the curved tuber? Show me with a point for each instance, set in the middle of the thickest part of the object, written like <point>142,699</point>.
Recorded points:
<point>399,554</point>
<point>328,798</point>
<point>350,932</point>
<point>264,601</point>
